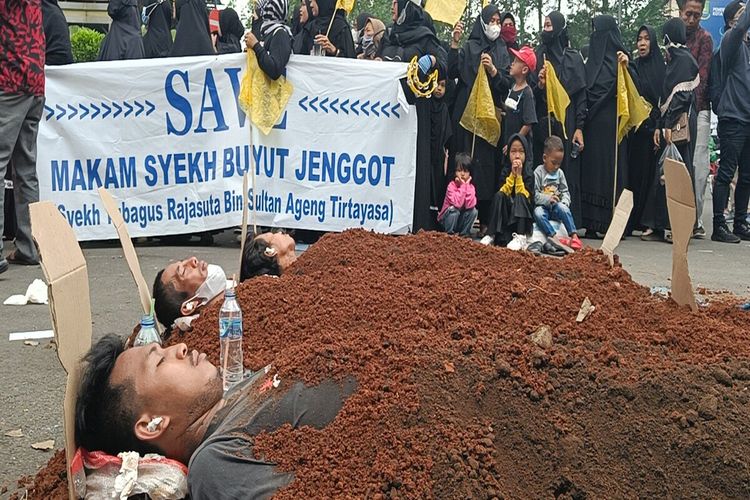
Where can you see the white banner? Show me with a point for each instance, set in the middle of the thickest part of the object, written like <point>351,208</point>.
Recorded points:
<point>169,140</point>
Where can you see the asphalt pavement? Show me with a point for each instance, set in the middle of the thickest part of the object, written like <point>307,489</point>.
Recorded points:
<point>33,380</point>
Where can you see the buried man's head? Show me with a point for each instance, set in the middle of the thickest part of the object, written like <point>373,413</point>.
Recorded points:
<point>267,254</point>
<point>145,399</point>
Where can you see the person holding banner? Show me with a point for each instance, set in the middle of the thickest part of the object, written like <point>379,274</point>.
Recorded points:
<point>677,106</point>
<point>123,41</point>
<point>157,17</point>
<point>273,54</point>
<point>604,162</point>
<point>231,31</point>
<point>571,73</point>
<point>325,30</point>
<point>650,69</point>
<point>193,37</point>
<point>484,55</point>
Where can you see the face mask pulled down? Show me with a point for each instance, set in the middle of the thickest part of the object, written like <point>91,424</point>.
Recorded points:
<point>216,283</point>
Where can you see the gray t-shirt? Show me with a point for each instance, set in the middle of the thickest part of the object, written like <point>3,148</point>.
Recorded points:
<point>224,465</point>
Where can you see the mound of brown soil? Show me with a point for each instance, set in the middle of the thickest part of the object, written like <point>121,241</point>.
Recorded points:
<point>476,380</point>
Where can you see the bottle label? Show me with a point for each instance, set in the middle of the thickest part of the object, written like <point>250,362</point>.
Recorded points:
<point>230,328</point>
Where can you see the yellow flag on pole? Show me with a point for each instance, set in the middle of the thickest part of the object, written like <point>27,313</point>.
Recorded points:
<point>557,99</point>
<point>446,11</point>
<point>479,115</point>
<point>632,109</point>
<point>263,99</point>
<point>347,5</point>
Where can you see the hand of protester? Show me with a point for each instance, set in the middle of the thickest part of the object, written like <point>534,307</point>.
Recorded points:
<point>554,199</point>
<point>326,44</point>
<point>578,138</point>
<point>516,167</point>
<point>622,58</point>
<point>468,181</point>
<point>657,139</point>
<point>458,180</point>
<point>668,135</point>
<point>426,62</point>
<point>542,78</point>
<point>214,38</point>
<point>489,66</point>
<point>458,32</point>
<point>250,40</point>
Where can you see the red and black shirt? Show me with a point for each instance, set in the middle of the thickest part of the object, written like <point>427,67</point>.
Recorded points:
<point>21,47</point>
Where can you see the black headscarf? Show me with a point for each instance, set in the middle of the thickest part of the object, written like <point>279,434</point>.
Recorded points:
<point>411,25</point>
<point>479,44</point>
<point>232,30</point>
<point>528,166</point>
<point>157,42</point>
<point>681,67</point>
<point>123,41</point>
<point>193,37</point>
<point>651,69</point>
<point>601,67</point>
<point>326,10</point>
<point>568,62</point>
<point>56,34</point>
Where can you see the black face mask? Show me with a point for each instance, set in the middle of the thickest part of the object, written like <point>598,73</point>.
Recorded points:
<point>548,37</point>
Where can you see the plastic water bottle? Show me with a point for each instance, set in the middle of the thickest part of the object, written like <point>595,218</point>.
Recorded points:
<point>230,339</point>
<point>148,333</point>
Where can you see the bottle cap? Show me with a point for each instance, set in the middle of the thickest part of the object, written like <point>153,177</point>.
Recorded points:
<point>147,320</point>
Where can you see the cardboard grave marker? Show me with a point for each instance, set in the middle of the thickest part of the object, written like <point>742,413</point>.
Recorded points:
<point>127,248</point>
<point>68,281</point>
<point>244,220</point>
<point>617,226</point>
<point>681,207</point>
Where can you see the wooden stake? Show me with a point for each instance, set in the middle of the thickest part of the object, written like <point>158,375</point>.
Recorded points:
<point>549,113</point>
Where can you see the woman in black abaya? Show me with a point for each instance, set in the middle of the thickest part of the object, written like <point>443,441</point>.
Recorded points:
<point>123,41</point>
<point>273,54</point>
<point>486,46</point>
<point>571,72</point>
<point>409,38</point>
<point>677,98</point>
<point>316,18</point>
<point>599,188</point>
<point>157,42</point>
<point>650,69</point>
<point>193,37</point>
<point>231,31</point>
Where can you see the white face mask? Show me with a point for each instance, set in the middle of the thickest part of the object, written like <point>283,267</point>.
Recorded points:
<point>491,31</point>
<point>216,283</point>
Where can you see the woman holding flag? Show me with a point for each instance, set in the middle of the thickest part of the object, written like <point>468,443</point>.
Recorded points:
<point>570,71</point>
<point>604,162</point>
<point>325,26</point>
<point>484,55</point>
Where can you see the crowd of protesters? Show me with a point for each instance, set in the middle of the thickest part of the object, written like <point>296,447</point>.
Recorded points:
<point>582,163</point>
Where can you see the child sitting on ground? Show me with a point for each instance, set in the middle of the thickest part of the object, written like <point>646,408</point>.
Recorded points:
<point>511,220</point>
<point>459,208</point>
<point>552,196</point>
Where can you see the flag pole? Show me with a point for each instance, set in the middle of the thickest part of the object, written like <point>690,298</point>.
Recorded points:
<point>549,113</point>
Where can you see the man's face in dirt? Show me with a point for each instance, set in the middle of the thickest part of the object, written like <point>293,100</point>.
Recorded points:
<point>186,275</point>
<point>173,383</point>
<point>691,14</point>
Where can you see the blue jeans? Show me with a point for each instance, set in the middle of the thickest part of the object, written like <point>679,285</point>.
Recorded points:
<point>459,221</point>
<point>558,212</point>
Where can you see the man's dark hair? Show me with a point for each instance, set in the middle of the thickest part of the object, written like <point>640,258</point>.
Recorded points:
<point>167,302</point>
<point>681,3</point>
<point>464,162</point>
<point>255,262</point>
<point>552,144</point>
<point>105,413</point>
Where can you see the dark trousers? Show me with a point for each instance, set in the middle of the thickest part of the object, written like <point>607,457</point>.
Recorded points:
<point>734,137</point>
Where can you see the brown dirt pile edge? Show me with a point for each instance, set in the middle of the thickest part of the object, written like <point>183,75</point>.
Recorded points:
<point>463,394</point>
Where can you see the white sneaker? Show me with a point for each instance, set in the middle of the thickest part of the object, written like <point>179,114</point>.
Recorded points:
<point>518,242</point>
<point>487,240</point>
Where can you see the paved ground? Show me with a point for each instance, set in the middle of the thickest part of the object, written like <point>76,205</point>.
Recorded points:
<point>33,380</point>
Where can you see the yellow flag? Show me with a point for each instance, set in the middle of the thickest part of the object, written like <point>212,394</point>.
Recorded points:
<point>263,99</point>
<point>446,11</point>
<point>347,5</point>
<point>557,98</point>
<point>479,115</point>
<point>632,109</point>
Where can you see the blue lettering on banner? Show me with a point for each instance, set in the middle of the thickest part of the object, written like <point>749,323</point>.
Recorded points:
<point>361,212</point>
<point>87,175</point>
<point>178,102</point>
<point>188,210</point>
<point>82,217</point>
<point>324,166</point>
<point>215,107</point>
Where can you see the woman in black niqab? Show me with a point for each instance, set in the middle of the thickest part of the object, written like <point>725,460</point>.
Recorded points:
<point>58,50</point>
<point>123,40</point>
<point>463,64</point>
<point>231,31</point>
<point>570,70</point>
<point>157,42</point>
<point>599,187</point>
<point>193,37</point>
<point>339,35</point>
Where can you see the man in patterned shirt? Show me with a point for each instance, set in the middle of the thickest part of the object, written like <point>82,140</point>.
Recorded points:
<point>21,103</point>
<point>701,46</point>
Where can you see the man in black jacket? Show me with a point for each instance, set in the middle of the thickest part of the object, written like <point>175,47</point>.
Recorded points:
<point>57,34</point>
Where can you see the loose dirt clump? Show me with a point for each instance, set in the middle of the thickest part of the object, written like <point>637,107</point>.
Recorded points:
<point>476,381</point>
